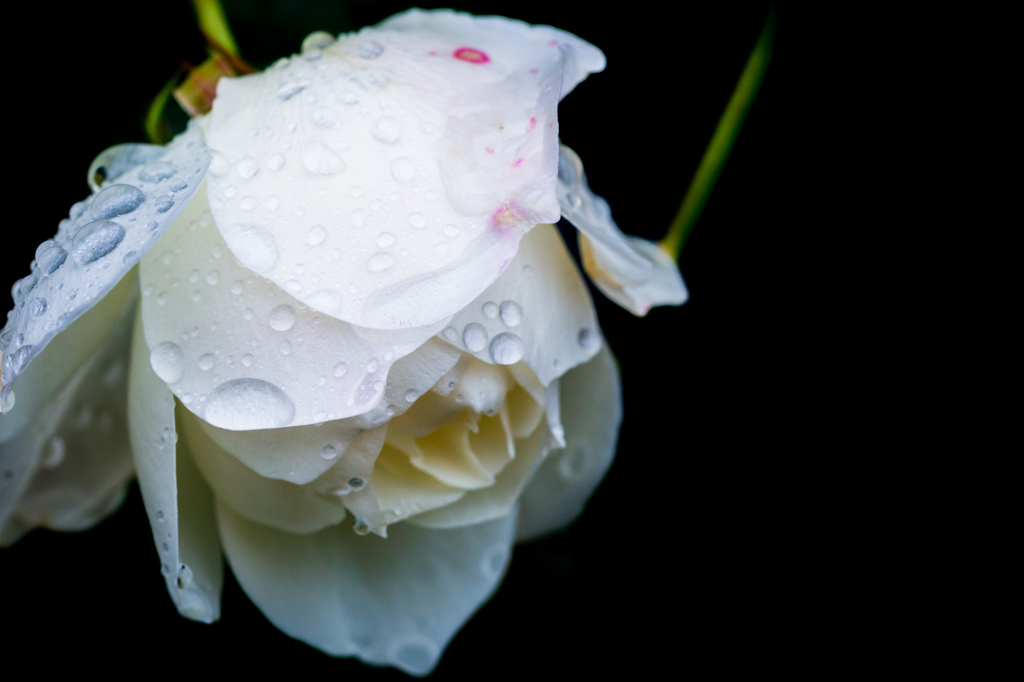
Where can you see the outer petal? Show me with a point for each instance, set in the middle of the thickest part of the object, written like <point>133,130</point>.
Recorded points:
<point>390,602</point>
<point>538,312</point>
<point>591,414</point>
<point>63,458</point>
<point>178,502</point>
<point>241,352</point>
<point>101,240</point>
<point>386,180</point>
<point>633,272</point>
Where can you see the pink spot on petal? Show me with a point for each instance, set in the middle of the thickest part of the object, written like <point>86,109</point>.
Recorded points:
<point>553,43</point>
<point>534,70</point>
<point>471,55</point>
<point>532,124</point>
<point>518,163</point>
<point>433,53</point>
<point>489,150</point>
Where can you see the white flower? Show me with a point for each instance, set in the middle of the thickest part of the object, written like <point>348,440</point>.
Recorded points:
<point>350,311</point>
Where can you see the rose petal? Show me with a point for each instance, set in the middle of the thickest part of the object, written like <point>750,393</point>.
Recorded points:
<point>538,312</point>
<point>242,353</point>
<point>394,175</point>
<point>633,272</point>
<point>178,502</point>
<point>403,489</point>
<point>394,602</point>
<point>104,236</point>
<point>591,415</point>
<point>63,459</point>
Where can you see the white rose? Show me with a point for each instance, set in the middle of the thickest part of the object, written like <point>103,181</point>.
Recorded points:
<point>350,312</point>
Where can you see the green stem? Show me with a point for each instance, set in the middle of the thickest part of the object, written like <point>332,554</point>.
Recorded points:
<point>726,132</point>
<point>156,127</point>
<point>214,24</point>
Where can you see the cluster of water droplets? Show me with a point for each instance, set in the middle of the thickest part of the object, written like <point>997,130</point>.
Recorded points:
<point>504,348</point>
<point>138,190</point>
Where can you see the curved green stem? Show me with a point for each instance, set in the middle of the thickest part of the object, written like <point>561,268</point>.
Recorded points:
<point>722,141</point>
<point>214,25</point>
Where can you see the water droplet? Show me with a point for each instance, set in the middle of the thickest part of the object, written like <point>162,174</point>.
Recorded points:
<point>51,258</point>
<point>236,287</point>
<point>507,349</point>
<point>253,245</point>
<point>385,239</point>
<point>275,161</point>
<point>168,361</point>
<point>219,164</point>
<point>386,129</point>
<point>95,240</point>
<point>285,348</point>
<point>155,172</point>
<point>325,300</point>
<point>490,310</point>
<point>417,220</point>
<point>116,200</point>
<point>206,361</point>
<point>340,369</point>
<point>371,50</point>
<point>160,516</point>
<point>380,261</point>
<point>316,235</point>
<point>247,360</point>
<point>163,203</point>
<point>212,277</point>
<point>361,527</point>
<point>402,169</point>
<point>372,366</point>
<point>494,561</point>
<point>511,313</point>
<point>289,89</point>
<point>320,159</point>
<point>323,117</point>
<point>411,396</point>
<point>317,40</point>
<point>358,217</point>
<point>329,452</point>
<point>356,483</point>
<point>474,336</point>
<point>246,404</point>
<point>55,451</point>
<point>588,340</point>
<point>248,167</point>
<point>574,201</point>
<point>184,577</point>
<point>450,231</point>
<point>451,334</point>
<point>37,307</point>
<point>282,317</point>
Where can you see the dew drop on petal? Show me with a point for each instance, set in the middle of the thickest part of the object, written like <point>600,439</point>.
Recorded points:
<point>219,164</point>
<point>402,169</point>
<point>490,310</point>
<point>253,245</point>
<point>95,240</point>
<point>588,339</point>
<point>386,129</point>
<point>275,161</point>
<point>474,336</point>
<point>316,235</point>
<point>282,317</point>
<point>329,452</point>
<point>356,483</point>
<point>320,159</point>
<point>380,261</point>
<point>358,217</point>
<point>51,258</point>
<point>246,404</point>
<point>340,369</point>
<point>248,167</point>
<point>511,313</point>
<point>116,200</point>
<point>417,220</point>
<point>385,239</point>
<point>507,349</point>
<point>411,396</point>
<point>206,361</point>
<point>168,362</point>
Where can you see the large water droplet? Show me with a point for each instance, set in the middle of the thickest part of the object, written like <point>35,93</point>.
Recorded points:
<point>95,240</point>
<point>329,452</point>
<point>116,200</point>
<point>356,483</point>
<point>387,130</point>
<point>206,361</point>
<point>361,527</point>
<point>317,40</point>
<point>380,261</point>
<point>219,164</point>
<point>51,258</point>
<point>248,167</point>
<point>168,361</point>
<point>490,310</point>
<point>474,336</point>
<point>402,169</point>
<point>511,313</point>
<point>253,245</point>
<point>282,317</point>
<point>37,307</point>
<point>340,369</point>
<point>245,404</point>
<point>385,239</point>
<point>320,159</point>
<point>507,349</point>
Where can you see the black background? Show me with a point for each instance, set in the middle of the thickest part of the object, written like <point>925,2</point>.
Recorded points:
<point>674,559</point>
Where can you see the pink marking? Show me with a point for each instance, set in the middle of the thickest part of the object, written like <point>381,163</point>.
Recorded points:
<point>531,125</point>
<point>553,43</point>
<point>471,55</point>
<point>518,163</point>
<point>534,70</point>
<point>489,150</point>
<point>433,53</point>
<point>506,217</point>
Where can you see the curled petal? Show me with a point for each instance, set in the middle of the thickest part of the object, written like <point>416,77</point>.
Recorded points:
<point>633,272</point>
<point>591,414</point>
<point>388,181</point>
<point>102,239</point>
<point>395,601</point>
<point>178,502</point>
